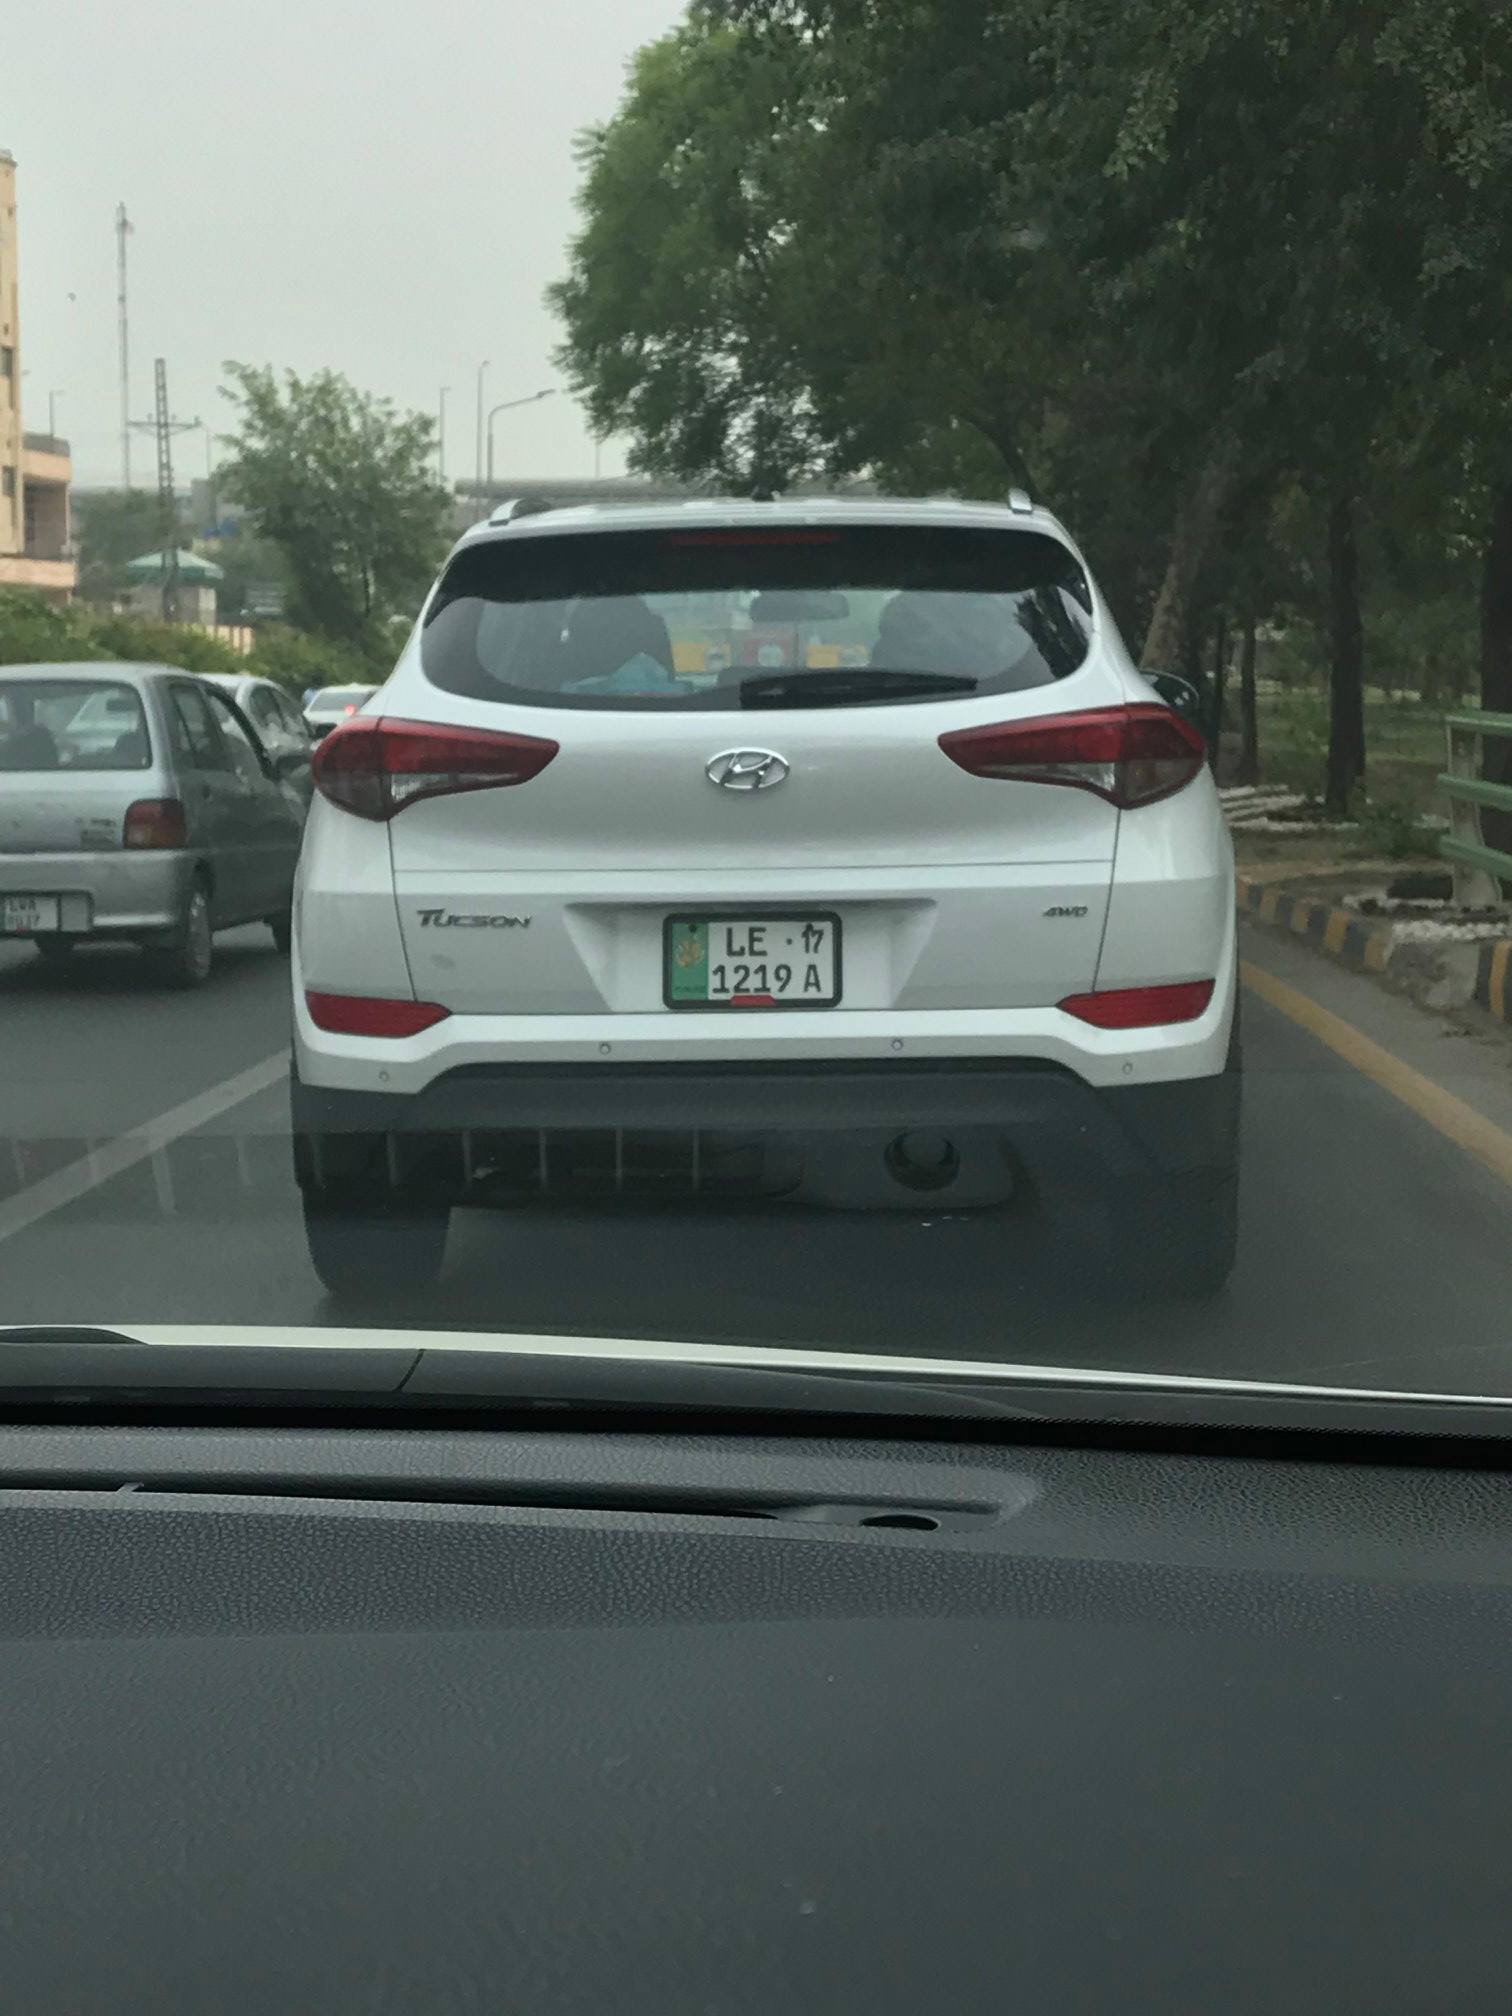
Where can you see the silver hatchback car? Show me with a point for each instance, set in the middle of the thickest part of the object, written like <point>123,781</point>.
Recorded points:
<point>138,803</point>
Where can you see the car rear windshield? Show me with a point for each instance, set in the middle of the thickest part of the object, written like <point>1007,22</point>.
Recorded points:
<point>71,724</point>
<point>791,616</point>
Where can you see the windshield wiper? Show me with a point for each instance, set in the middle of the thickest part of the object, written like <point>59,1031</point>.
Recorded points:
<point>848,686</point>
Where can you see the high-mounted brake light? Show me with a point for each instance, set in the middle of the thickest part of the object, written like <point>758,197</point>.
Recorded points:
<point>371,1015</point>
<point>373,767</point>
<point>1130,756</point>
<point>1141,1007</point>
<point>777,536</point>
<point>155,822</point>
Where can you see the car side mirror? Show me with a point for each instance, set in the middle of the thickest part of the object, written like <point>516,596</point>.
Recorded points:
<point>1180,695</point>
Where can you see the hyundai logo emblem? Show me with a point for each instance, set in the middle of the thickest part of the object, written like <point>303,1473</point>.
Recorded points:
<point>746,769</point>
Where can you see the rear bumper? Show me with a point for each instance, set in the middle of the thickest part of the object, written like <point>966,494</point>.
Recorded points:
<point>824,1131</point>
<point>118,895</point>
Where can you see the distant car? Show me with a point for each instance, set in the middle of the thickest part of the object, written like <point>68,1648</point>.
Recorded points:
<point>334,704</point>
<point>171,826</point>
<point>279,721</point>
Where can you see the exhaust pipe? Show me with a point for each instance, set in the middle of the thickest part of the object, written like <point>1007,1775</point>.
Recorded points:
<point>923,1162</point>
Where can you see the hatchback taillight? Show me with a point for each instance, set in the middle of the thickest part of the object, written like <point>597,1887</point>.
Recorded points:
<point>1129,755</point>
<point>374,767</point>
<point>155,822</point>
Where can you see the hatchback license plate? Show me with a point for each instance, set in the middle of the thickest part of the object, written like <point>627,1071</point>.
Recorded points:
<point>25,914</point>
<point>788,961</point>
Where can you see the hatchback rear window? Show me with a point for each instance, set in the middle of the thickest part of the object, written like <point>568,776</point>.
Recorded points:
<point>339,699</point>
<point>722,618</point>
<point>71,724</point>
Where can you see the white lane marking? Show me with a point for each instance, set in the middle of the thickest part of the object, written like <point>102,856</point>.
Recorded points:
<point>110,1158</point>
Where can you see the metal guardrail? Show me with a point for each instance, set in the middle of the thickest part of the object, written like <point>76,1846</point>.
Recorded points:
<point>1479,870</point>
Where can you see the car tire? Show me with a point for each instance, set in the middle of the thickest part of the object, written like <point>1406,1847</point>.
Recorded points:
<point>366,1253</point>
<point>186,958</point>
<point>282,927</point>
<point>1192,1253</point>
<point>55,951</point>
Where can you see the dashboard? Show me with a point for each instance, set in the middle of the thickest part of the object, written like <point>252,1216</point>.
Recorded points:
<point>372,1719</point>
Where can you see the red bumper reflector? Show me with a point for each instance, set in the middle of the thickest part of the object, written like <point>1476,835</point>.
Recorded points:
<point>369,1015</point>
<point>1141,1007</point>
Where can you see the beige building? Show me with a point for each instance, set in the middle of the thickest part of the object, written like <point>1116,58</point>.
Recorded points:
<point>36,541</point>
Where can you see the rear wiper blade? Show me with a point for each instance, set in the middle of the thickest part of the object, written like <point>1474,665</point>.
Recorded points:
<point>848,686</point>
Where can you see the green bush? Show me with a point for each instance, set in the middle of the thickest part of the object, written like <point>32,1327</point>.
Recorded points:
<point>140,641</point>
<point>1392,829</point>
<point>37,632</point>
<point>295,661</point>
<point>34,631</point>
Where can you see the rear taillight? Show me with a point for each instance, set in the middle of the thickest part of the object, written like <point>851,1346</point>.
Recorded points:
<point>374,767</point>
<point>1141,1007</point>
<point>371,1015</point>
<point>1129,755</point>
<point>155,822</point>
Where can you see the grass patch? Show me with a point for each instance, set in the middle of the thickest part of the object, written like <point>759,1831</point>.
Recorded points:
<point>1404,746</point>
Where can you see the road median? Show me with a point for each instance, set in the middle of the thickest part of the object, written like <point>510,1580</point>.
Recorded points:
<point>1441,972</point>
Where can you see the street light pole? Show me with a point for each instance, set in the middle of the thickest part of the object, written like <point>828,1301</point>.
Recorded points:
<point>478,443</point>
<point>508,406</point>
<point>441,435</point>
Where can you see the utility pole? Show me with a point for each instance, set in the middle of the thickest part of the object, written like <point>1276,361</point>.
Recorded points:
<point>478,442</point>
<point>163,427</point>
<point>441,437</point>
<point>123,232</point>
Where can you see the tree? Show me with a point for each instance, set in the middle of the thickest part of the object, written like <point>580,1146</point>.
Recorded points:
<point>343,485</point>
<point>1165,260</point>
<point>113,527</point>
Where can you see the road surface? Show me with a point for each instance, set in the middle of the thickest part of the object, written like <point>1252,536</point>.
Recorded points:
<point>1377,1204</point>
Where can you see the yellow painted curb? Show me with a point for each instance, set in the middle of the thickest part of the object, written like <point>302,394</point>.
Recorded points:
<point>1496,988</point>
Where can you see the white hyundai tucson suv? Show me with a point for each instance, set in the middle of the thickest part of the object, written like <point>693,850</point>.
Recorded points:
<point>816,852</point>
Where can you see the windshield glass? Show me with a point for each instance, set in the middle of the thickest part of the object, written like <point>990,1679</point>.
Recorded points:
<point>809,675</point>
<point>71,724</point>
<point>678,619</point>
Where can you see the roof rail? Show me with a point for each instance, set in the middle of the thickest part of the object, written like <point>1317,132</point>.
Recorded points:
<point>520,507</point>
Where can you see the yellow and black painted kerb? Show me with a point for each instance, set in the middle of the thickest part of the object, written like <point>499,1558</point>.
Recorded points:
<point>1367,946</point>
<point>1493,981</point>
<point>1347,937</point>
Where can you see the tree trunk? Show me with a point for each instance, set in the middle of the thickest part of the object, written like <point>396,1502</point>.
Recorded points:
<point>1249,716</point>
<point>1346,712</point>
<point>1196,533</point>
<point>1496,657</point>
<point>1220,682</point>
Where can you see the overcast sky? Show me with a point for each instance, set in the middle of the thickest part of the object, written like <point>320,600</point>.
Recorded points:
<point>385,191</point>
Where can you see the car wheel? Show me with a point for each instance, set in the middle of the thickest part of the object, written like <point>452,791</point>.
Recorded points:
<point>366,1253</point>
<point>55,951</point>
<point>282,927</point>
<point>185,960</point>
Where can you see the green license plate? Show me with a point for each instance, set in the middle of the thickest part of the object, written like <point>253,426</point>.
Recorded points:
<point>754,961</point>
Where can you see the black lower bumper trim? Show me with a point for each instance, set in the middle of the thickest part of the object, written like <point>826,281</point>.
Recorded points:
<point>1054,1121</point>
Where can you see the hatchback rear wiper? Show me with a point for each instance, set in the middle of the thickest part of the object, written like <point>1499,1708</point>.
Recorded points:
<point>848,686</point>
